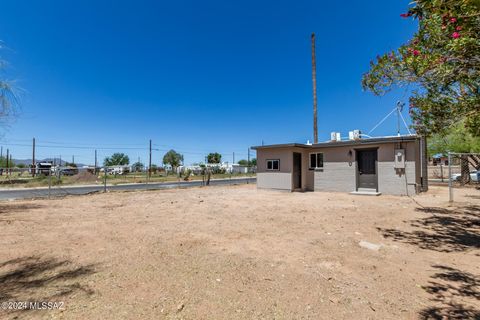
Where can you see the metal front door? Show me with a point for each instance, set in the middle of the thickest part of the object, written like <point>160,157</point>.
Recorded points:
<point>367,169</point>
<point>297,170</point>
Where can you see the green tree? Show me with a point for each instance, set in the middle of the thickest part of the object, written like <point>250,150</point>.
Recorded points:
<point>441,61</point>
<point>173,158</point>
<point>214,157</point>
<point>243,162</point>
<point>3,162</point>
<point>458,139</point>
<point>137,166</point>
<point>116,159</point>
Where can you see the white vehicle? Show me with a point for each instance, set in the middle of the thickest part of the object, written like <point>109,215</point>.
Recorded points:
<point>473,176</point>
<point>118,170</point>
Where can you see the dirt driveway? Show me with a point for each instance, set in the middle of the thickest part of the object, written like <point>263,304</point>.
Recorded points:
<point>240,253</point>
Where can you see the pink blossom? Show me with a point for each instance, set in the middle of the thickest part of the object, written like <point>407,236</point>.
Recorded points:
<point>459,28</point>
<point>416,52</point>
<point>453,20</point>
<point>455,35</point>
<point>405,15</point>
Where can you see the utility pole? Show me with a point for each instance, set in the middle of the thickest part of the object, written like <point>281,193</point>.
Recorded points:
<point>73,159</point>
<point>33,158</point>
<point>233,158</point>
<point>248,159</point>
<point>1,152</point>
<point>314,84</point>
<point>150,161</point>
<point>95,170</point>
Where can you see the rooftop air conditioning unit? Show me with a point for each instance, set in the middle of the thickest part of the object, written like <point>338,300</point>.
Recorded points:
<point>338,136</point>
<point>354,135</point>
<point>333,136</point>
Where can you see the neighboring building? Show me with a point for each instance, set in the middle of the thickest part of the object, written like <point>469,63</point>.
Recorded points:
<point>439,159</point>
<point>238,168</point>
<point>389,165</point>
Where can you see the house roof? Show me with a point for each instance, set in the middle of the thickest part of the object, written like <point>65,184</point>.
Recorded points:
<point>328,144</point>
<point>282,145</point>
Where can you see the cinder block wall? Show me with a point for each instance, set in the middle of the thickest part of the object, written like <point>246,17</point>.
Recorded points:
<point>340,169</point>
<point>392,181</point>
<point>281,179</point>
<point>338,173</point>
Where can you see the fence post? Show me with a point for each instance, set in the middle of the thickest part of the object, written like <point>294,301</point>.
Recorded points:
<point>49,183</point>
<point>441,170</point>
<point>450,187</point>
<point>104,179</point>
<point>146,178</point>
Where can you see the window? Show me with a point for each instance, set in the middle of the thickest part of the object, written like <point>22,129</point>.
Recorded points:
<point>316,160</point>
<point>273,165</point>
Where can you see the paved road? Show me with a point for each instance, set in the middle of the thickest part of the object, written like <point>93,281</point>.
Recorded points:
<point>79,190</point>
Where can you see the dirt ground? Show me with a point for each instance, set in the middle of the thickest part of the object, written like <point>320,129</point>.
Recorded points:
<point>242,253</point>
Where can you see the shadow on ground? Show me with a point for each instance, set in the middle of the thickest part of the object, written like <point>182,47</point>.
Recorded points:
<point>444,230</point>
<point>451,289</point>
<point>18,207</point>
<point>454,292</point>
<point>35,278</point>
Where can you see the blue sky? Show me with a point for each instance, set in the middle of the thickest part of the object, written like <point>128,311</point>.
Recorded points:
<point>197,76</point>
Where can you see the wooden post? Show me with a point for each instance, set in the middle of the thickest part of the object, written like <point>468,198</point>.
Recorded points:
<point>34,169</point>
<point>150,161</point>
<point>314,84</point>
<point>104,178</point>
<point>450,185</point>
<point>7,161</point>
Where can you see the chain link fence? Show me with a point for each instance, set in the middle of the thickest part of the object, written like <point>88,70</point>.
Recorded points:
<point>46,180</point>
<point>463,172</point>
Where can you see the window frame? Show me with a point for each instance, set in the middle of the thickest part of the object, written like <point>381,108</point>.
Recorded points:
<point>316,161</point>
<point>273,160</point>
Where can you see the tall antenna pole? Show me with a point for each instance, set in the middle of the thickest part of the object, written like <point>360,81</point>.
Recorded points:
<point>314,84</point>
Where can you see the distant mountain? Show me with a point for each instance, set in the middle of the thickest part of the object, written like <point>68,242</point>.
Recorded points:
<point>55,160</point>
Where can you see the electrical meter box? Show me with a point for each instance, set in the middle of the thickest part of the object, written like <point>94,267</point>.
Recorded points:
<point>399,158</point>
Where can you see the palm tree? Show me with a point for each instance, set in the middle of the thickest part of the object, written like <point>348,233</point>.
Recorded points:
<point>314,84</point>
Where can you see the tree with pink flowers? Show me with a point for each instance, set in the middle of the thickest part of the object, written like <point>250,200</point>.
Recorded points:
<point>441,62</point>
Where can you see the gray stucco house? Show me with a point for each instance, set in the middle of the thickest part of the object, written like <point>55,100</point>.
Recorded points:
<point>390,165</point>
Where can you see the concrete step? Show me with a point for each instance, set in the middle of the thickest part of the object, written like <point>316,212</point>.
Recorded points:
<point>366,192</point>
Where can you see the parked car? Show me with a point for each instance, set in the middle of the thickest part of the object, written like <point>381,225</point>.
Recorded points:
<point>68,171</point>
<point>458,176</point>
